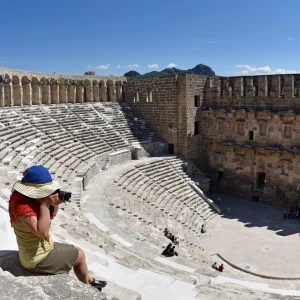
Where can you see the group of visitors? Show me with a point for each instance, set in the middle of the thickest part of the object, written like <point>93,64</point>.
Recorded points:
<point>292,213</point>
<point>218,268</point>
<point>170,249</point>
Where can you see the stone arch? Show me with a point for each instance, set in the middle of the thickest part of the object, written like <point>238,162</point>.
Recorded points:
<point>36,91</point>
<point>26,84</point>
<point>45,91</point>
<point>7,91</point>
<point>16,89</point>
<point>62,90</point>
<point>79,93</point>
<point>102,91</point>
<point>96,91</point>
<point>54,91</point>
<point>87,94</point>
<point>118,90</point>
<point>124,91</point>
<point>71,91</point>
<point>110,90</point>
<point>1,91</point>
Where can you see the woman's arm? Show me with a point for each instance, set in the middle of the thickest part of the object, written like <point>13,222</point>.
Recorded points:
<point>55,210</point>
<point>38,226</point>
<point>55,205</point>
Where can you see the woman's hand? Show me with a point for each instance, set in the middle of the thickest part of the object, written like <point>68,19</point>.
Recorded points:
<point>50,200</point>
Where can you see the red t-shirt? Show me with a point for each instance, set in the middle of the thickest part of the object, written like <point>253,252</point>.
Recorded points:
<point>221,268</point>
<point>20,205</point>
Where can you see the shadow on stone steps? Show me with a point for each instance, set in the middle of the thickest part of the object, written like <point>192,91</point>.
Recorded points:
<point>9,261</point>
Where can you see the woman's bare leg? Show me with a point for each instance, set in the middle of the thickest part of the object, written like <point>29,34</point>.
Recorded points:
<point>81,269</point>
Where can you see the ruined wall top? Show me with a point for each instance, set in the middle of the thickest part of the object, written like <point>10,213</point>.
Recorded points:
<point>30,75</point>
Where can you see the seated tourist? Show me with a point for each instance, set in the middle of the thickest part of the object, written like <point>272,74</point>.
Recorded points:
<point>176,240</point>
<point>221,268</point>
<point>172,237</point>
<point>166,232</point>
<point>166,251</point>
<point>215,266</point>
<point>172,251</point>
<point>203,230</point>
<point>29,206</point>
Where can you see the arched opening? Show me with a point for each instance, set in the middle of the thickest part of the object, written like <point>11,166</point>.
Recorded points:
<point>110,90</point>
<point>16,90</point>
<point>54,91</point>
<point>102,91</point>
<point>26,84</point>
<point>124,91</point>
<point>45,91</point>
<point>36,91</point>
<point>7,91</point>
<point>79,92</point>
<point>118,90</point>
<point>62,90</point>
<point>1,91</point>
<point>71,91</point>
<point>87,95</point>
<point>95,91</point>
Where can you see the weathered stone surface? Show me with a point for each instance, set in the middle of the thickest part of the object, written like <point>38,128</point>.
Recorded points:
<point>27,285</point>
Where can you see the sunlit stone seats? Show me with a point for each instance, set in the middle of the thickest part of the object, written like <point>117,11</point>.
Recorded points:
<point>161,185</point>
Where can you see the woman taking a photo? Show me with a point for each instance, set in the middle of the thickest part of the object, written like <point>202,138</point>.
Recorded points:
<point>30,217</point>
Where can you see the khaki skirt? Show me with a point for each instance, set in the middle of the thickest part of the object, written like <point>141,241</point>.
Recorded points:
<point>60,260</point>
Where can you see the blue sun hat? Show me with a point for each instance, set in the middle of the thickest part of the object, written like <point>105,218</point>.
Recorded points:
<point>36,183</point>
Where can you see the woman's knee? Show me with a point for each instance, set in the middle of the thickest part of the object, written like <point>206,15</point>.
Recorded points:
<point>80,258</point>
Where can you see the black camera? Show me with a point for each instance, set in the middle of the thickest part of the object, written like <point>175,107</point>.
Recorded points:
<point>64,196</point>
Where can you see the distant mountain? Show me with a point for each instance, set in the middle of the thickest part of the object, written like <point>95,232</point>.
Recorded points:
<point>132,74</point>
<point>199,69</point>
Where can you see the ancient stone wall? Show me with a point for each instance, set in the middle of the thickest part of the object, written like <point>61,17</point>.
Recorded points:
<point>274,92</point>
<point>168,105</point>
<point>250,128</point>
<point>194,105</point>
<point>156,100</point>
<point>243,132</point>
<point>27,88</point>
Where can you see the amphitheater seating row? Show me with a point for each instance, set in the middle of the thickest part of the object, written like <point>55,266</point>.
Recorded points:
<point>63,138</point>
<point>163,185</point>
<point>127,122</point>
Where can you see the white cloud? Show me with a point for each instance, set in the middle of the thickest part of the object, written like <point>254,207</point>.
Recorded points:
<point>153,66</point>
<point>291,38</point>
<point>253,70</point>
<point>103,67</point>
<point>89,67</point>
<point>134,66</point>
<point>172,65</point>
<point>118,66</point>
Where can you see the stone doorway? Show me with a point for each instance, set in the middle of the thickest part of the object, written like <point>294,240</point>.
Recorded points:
<point>171,148</point>
<point>261,180</point>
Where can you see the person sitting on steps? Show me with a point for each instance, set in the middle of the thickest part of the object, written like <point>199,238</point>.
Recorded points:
<point>171,236</point>
<point>172,251</point>
<point>166,251</point>
<point>30,217</point>
<point>215,266</point>
<point>221,268</point>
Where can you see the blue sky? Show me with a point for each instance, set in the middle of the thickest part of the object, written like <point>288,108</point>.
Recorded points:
<point>113,37</point>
